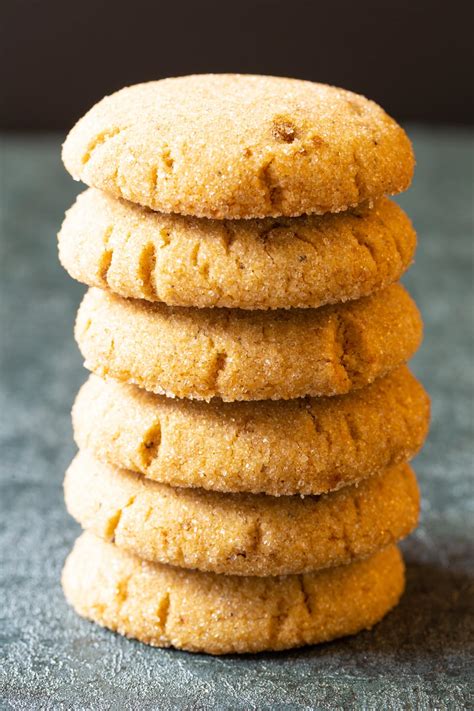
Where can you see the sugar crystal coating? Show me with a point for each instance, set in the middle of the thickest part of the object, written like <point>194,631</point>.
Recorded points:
<point>247,355</point>
<point>221,614</point>
<point>239,146</point>
<point>297,262</point>
<point>301,446</point>
<point>241,534</point>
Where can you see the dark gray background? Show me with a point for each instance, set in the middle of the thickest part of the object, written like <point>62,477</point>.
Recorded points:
<point>415,57</point>
<point>418,658</point>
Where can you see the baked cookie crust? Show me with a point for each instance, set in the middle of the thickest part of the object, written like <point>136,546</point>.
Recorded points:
<point>276,263</point>
<point>219,614</point>
<point>239,146</point>
<point>302,446</point>
<point>241,534</point>
<point>247,355</point>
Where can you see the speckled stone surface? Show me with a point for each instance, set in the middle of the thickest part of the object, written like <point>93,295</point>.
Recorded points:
<point>420,657</point>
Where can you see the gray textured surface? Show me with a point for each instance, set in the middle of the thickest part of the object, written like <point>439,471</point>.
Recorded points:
<point>417,658</point>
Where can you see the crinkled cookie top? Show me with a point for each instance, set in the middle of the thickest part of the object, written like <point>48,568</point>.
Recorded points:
<point>239,146</point>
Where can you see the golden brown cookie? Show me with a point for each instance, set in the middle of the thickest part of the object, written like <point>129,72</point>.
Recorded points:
<point>241,534</point>
<point>302,446</point>
<point>247,355</point>
<point>233,146</point>
<point>302,262</point>
<point>220,614</point>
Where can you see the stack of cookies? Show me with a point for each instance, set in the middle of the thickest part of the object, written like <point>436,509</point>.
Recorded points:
<point>244,435</point>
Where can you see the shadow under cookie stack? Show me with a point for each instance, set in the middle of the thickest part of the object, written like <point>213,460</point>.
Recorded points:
<point>244,435</point>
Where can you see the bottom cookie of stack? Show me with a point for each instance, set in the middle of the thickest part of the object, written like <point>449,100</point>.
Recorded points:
<point>220,614</point>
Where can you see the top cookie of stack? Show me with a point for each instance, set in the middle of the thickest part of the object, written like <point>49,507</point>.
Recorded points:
<point>237,146</point>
